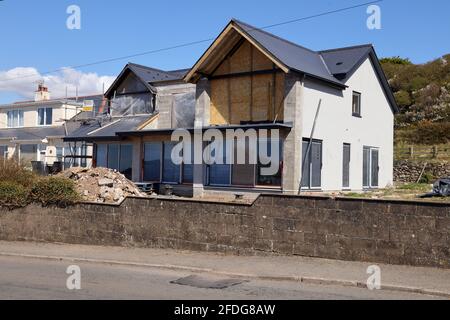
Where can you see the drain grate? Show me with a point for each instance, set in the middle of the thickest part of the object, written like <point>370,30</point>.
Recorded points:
<point>207,282</point>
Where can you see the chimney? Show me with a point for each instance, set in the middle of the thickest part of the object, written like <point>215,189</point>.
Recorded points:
<point>42,93</point>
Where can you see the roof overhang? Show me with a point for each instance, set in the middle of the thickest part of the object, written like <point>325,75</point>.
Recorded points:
<point>220,48</point>
<point>260,126</point>
<point>122,74</point>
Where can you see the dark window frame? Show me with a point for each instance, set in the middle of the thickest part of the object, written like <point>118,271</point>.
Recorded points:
<point>307,159</point>
<point>358,112</point>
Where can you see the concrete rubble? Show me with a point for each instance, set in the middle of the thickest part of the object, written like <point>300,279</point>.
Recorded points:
<point>102,185</point>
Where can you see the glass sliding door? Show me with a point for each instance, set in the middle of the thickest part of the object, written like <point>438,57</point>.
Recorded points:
<point>152,161</point>
<point>171,171</point>
<point>219,173</point>
<point>126,160</point>
<point>346,166</point>
<point>371,167</point>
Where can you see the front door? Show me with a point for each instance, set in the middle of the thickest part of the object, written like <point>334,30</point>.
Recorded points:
<point>312,164</point>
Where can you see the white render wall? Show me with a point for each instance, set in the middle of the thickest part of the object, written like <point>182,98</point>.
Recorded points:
<point>336,126</point>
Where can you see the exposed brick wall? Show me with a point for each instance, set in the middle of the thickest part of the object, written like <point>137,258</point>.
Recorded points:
<point>411,233</point>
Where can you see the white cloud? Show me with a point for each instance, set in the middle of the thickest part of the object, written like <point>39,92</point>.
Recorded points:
<point>23,81</point>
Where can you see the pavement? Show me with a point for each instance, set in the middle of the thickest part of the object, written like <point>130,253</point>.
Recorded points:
<point>403,280</point>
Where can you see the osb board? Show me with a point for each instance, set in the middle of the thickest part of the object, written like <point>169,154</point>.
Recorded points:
<point>260,61</point>
<point>241,60</point>
<point>219,107</point>
<point>262,97</point>
<point>240,93</point>
<point>246,58</point>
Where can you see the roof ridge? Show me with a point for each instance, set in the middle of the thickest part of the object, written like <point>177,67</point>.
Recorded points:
<point>347,48</point>
<point>274,36</point>
<point>146,67</point>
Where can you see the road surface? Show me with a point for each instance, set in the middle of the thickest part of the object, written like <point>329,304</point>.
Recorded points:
<point>36,279</point>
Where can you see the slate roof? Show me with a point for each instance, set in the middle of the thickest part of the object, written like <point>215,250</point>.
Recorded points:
<point>341,62</point>
<point>32,134</point>
<point>292,55</point>
<point>333,66</point>
<point>151,75</point>
<point>97,129</point>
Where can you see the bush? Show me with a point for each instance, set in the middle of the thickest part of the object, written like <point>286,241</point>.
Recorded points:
<point>54,191</point>
<point>13,195</point>
<point>12,171</point>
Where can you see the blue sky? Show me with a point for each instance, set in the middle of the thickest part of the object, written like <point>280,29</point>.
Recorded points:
<point>34,34</point>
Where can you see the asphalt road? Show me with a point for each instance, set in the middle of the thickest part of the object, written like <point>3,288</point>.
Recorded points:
<point>35,279</point>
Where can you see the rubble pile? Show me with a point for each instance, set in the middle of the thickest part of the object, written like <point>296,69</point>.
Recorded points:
<point>102,185</point>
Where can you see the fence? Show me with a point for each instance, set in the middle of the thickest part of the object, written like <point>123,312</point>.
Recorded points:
<point>423,152</point>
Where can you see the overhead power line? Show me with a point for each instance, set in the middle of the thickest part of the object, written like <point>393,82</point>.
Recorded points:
<point>188,44</point>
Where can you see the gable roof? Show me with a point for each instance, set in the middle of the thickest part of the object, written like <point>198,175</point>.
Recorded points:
<point>333,66</point>
<point>147,75</point>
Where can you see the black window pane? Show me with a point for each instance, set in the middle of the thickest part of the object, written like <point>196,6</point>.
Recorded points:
<point>220,174</point>
<point>316,165</point>
<point>374,168</point>
<point>171,171</point>
<point>113,156</point>
<point>346,166</point>
<point>152,162</point>
<point>126,161</point>
<point>306,161</point>
<point>49,116</point>
<point>366,167</point>
<point>102,155</point>
<point>188,168</point>
<point>273,180</point>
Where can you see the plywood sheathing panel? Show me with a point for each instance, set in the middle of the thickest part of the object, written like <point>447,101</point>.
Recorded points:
<point>219,102</point>
<point>240,99</point>
<point>257,97</point>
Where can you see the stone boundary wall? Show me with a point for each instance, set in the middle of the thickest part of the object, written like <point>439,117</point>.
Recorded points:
<point>396,232</point>
<point>409,171</point>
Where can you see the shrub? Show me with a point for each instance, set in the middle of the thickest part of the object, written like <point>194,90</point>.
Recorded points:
<point>13,195</point>
<point>54,191</point>
<point>12,171</point>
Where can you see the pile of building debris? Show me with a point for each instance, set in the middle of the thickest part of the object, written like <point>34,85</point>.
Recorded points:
<point>102,185</point>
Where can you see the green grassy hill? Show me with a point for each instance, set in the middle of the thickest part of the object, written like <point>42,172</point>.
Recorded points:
<point>422,92</point>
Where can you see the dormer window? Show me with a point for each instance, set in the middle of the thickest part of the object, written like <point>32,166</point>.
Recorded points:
<point>45,117</point>
<point>15,118</point>
<point>356,106</point>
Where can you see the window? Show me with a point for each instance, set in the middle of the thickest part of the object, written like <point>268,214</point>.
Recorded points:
<point>152,161</point>
<point>188,169</point>
<point>116,157</point>
<point>274,180</point>
<point>219,174</point>
<point>102,156</point>
<point>346,166</point>
<point>15,118</point>
<point>28,153</point>
<point>45,116</point>
<point>371,167</point>
<point>171,171</point>
<point>356,105</point>
<point>312,164</point>
<point>126,160</point>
